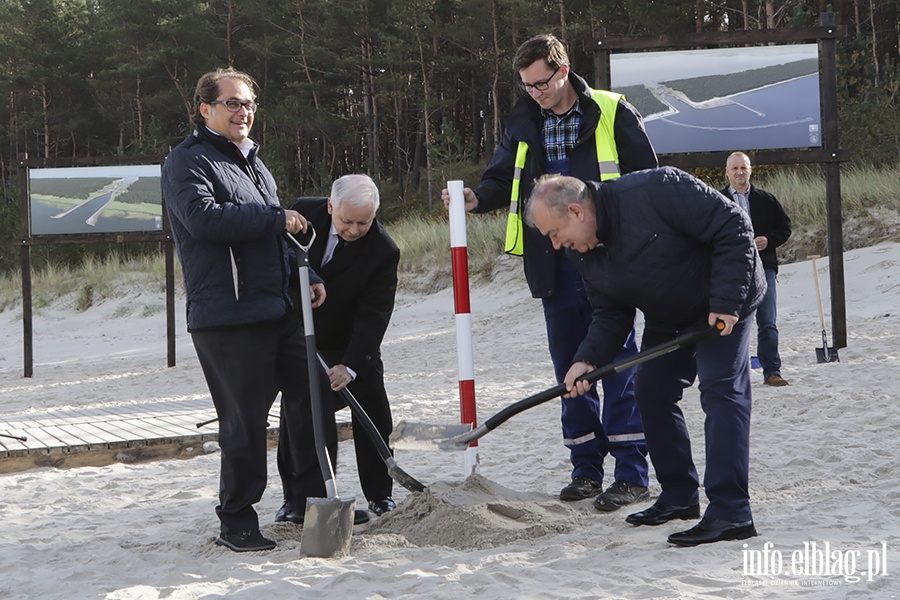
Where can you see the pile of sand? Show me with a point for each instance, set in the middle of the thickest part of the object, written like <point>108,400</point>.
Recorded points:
<point>475,514</point>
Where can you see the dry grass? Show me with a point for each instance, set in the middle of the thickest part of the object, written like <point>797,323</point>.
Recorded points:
<point>870,211</point>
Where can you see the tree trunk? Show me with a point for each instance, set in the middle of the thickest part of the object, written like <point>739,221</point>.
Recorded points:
<point>874,41</point>
<point>495,82</point>
<point>370,107</point>
<point>45,115</point>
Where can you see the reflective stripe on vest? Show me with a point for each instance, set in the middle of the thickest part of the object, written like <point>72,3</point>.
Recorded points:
<point>514,228</point>
<point>607,162</point>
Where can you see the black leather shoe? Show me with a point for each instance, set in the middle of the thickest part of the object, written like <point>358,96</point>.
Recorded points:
<point>661,513</point>
<point>245,541</point>
<point>379,507</point>
<point>287,513</point>
<point>713,530</point>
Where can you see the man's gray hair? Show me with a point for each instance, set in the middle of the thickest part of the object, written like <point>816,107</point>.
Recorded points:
<point>557,192</point>
<point>355,190</point>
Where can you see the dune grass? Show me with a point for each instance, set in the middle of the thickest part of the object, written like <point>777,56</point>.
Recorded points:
<point>871,214</point>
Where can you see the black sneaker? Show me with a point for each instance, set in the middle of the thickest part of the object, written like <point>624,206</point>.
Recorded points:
<point>245,541</point>
<point>379,507</point>
<point>581,487</point>
<point>619,494</point>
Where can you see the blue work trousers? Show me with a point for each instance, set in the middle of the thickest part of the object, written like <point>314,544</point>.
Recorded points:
<point>722,366</point>
<point>589,432</point>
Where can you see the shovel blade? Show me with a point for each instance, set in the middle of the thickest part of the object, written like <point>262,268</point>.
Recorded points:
<point>327,527</point>
<point>827,355</point>
<point>426,436</point>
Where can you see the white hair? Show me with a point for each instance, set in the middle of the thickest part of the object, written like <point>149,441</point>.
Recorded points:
<point>356,190</point>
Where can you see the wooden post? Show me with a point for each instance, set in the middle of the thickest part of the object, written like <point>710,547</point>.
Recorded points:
<point>830,129</point>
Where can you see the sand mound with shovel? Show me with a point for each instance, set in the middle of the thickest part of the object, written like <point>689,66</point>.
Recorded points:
<point>475,514</point>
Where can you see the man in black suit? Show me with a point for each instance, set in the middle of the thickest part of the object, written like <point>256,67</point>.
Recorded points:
<point>358,261</point>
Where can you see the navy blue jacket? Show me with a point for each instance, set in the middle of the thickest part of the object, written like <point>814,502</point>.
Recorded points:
<point>673,248</point>
<point>769,219</point>
<point>525,123</point>
<point>227,224</point>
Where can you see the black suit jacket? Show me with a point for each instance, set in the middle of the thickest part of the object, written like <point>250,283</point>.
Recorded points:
<point>769,219</point>
<point>360,286</point>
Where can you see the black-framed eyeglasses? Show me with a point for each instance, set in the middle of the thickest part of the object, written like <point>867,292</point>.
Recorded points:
<point>540,86</point>
<point>236,105</point>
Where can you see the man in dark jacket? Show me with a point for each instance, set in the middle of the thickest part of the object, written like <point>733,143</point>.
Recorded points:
<point>228,226</point>
<point>358,261</point>
<point>772,228</point>
<point>563,126</point>
<point>664,243</point>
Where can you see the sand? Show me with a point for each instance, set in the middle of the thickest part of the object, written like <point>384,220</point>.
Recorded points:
<point>824,475</point>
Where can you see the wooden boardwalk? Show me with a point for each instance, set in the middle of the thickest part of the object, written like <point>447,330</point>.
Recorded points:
<point>79,437</point>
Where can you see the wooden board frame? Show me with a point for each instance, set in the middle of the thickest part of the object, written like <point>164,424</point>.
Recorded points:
<point>830,154</point>
<point>26,241</point>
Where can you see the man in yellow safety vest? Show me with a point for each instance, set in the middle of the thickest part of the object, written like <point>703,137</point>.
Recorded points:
<point>560,125</point>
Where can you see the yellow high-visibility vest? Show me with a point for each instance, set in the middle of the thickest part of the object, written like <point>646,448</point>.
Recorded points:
<point>607,161</point>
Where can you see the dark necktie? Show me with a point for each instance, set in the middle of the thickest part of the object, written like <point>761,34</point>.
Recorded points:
<point>338,248</point>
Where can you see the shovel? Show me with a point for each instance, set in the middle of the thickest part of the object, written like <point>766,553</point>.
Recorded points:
<point>429,436</point>
<point>394,470</point>
<point>825,354</point>
<point>327,522</point>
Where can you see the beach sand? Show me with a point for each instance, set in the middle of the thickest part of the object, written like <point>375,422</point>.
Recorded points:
<point>824,468</point>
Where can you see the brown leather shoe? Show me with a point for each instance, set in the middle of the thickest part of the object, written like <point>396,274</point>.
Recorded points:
<point>776,381</point>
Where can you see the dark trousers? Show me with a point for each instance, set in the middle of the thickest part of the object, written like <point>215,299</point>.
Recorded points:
<point>245,368</point>
<point>722,366</point>
<point>368,389</point>
<point>589,432</point>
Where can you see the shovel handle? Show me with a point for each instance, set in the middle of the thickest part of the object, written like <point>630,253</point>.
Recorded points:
<point>394,470</point>
<point>682,339</point>
<point>310,231</point>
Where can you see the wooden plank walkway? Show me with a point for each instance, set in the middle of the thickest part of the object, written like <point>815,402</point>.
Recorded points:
<point>132,433</point>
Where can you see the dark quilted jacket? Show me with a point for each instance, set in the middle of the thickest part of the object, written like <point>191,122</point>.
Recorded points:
<point>672,247</point>
<point>227,224</point>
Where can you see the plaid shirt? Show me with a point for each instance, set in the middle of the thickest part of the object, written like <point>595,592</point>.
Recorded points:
<point>561,131</point>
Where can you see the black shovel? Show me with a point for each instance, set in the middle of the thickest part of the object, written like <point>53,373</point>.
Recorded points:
<point>826,353</point>
<point>328,522</point>
<point>394,470</point>
<point>428,436</point>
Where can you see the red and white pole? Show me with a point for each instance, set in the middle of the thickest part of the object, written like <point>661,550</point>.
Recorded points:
<point>465,360</point>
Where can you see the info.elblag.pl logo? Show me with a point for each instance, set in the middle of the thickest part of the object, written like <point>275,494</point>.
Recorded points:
<point>816,563</point>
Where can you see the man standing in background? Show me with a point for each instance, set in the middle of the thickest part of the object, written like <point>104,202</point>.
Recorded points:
<point>772,228</point>
<point>560,125</point>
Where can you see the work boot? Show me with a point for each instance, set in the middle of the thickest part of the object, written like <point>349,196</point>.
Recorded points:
<point>619,494</point>
<point>581,487</point>
<point>776,380</point>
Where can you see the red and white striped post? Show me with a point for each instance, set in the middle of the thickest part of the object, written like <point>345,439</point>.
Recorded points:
<point>465,360</point>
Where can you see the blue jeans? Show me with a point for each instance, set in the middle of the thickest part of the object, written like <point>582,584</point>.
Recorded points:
<point>589,432</point>
<point>767,331</point>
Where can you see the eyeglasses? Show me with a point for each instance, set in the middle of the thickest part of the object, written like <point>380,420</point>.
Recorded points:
<point>540,86</point>
<point>236,105</point>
